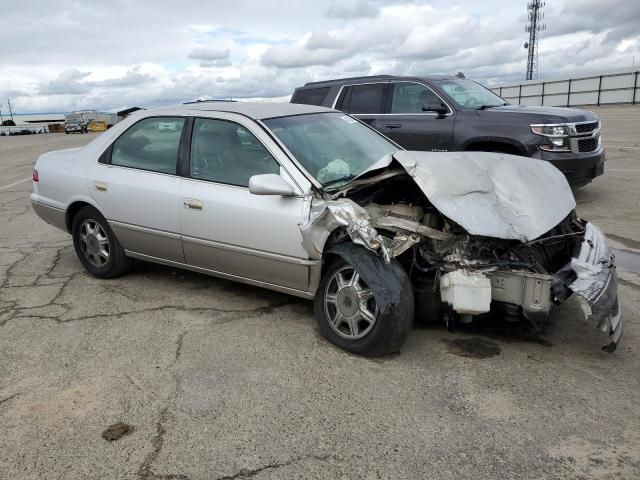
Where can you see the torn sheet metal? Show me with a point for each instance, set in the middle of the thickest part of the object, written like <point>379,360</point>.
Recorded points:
<point>492,194</point>
<point>388,282</point>
<point>360,223</point>
<point>596,284</point>
<point>403,218</point>
<point>327,215</point>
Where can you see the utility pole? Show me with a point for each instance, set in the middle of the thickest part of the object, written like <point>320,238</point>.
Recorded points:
<point>535,25</point>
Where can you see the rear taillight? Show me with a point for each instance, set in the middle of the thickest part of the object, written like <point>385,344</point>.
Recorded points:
<point>35,176</point>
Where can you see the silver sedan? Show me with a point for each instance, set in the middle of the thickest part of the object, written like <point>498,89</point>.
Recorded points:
<point>311,202</point>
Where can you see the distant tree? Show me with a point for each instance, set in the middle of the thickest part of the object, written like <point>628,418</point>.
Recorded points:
<point>8,123</point>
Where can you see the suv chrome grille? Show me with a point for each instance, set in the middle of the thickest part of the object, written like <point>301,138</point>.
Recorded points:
<point>586,127</point>
<point>584,137</point>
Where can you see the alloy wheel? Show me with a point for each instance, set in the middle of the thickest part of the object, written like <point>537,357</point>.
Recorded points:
<point>349,304</point>
<point>94,243</point>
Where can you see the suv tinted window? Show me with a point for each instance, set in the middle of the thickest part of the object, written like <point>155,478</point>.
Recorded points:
<point>410,97</point>
<point>151,144</point>
<point>364,98</point>
<point>310,96</point>
<point>226,152</point>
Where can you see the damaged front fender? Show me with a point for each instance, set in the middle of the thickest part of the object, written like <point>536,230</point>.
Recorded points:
<point>328,215</point>
<point>360,224</point>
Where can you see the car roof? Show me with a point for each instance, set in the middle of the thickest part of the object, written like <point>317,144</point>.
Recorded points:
<point>254,110</point>
<point>376,78</point>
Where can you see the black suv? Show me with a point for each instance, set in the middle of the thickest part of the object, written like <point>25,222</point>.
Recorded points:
<point>451,113</point>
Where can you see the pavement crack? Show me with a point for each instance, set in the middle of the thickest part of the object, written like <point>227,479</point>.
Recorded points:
<point>248,473</point>
<point>10,397</point>
<point>248,312</point>
<point>179,346</point>
<point>145,472</point>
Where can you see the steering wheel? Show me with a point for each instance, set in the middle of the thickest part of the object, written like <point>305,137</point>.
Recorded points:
<point>472,102</point>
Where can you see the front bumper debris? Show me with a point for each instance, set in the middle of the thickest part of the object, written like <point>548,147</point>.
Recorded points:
<point>592,276</point>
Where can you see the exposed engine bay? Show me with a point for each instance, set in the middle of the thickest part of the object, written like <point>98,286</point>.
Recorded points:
<point>478,240</point>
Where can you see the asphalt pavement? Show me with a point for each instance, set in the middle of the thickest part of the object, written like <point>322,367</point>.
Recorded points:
<point>168,374</point>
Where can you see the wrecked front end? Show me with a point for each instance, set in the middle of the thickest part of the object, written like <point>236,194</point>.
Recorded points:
<point>491,237</point>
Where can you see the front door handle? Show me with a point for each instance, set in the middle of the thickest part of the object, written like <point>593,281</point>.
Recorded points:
<point>192,204</point>
<point>392,125</point>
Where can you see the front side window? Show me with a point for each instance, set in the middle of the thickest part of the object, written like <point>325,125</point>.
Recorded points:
<point>410,97</point>
<point>334,148</point>
<point>225,152</point>
<point>364,98</point>
<point>151,144</point>
<point>470,95</point>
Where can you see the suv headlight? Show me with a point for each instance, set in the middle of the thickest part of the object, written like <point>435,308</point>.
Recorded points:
<point>557,137</point>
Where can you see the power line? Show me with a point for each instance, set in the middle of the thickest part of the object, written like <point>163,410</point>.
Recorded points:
<point>536,24</point>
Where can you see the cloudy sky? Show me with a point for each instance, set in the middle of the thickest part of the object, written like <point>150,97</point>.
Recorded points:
<point>62,56</point>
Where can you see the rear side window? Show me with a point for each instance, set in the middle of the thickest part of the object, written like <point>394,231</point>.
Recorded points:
<point>364,98</point>
<point>151,144</point>
<point>410,97</point>
<point>225,152</point>
<point>310,96</point>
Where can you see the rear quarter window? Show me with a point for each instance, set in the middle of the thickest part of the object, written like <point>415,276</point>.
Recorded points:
<point>310,96</point>
<point>366,98</point>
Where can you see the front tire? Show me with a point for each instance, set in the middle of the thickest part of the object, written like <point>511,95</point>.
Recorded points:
<point>96,245</point>
<point>348,311</point>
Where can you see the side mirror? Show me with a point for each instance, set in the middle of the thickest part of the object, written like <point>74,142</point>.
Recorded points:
<point>270,184</point>
<point>438,107</point>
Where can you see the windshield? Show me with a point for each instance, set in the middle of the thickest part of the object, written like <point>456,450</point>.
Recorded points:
<point>469,94</point>
<point>333,147</point>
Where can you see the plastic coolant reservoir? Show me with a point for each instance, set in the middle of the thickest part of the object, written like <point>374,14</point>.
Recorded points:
<point>469,293</point>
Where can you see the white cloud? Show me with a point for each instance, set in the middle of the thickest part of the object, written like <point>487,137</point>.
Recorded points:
<point>153,52</point>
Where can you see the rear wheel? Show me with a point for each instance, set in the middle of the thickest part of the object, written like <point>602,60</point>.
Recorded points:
<point>348,313</point>
<point>97,246</point>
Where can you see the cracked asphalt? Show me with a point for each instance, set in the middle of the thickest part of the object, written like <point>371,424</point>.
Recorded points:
<point>225,381</point>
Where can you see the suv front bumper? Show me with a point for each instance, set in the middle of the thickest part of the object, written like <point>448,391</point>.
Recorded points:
<point>579,169</point>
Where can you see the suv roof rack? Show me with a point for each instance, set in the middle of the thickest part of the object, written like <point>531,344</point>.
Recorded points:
<point>337,80</point>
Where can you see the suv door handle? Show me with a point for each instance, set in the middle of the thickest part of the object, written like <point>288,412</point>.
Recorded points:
<point>392,125</point>
<point>192,204</point>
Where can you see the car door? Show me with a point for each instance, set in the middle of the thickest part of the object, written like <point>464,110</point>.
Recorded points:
<point>227,229</point>
<point>136,187</point>
<point>408,125</point>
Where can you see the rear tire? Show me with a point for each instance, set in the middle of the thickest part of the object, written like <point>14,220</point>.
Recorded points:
<point>96,245</point>
<point>347,311</point>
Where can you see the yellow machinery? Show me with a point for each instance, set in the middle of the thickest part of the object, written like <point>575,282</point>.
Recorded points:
<point>97,126</point>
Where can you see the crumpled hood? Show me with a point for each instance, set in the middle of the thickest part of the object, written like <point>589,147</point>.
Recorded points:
<point>492,194</point>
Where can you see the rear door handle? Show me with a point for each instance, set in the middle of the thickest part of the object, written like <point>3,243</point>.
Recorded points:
<point>392,125</point>
<point>100,186</point>
<point>192,204</point>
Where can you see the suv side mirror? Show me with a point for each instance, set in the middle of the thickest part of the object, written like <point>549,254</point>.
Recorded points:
<point>438,107</point>
<point>270,184</point>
